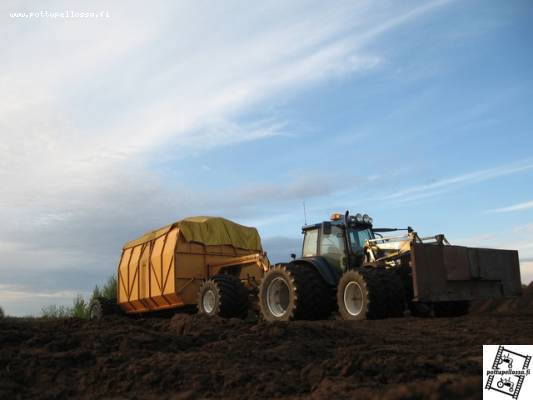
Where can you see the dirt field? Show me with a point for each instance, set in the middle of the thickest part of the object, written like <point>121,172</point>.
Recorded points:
<point>189,357</point>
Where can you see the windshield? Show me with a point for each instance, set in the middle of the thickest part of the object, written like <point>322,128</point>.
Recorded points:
<point>357,238</point>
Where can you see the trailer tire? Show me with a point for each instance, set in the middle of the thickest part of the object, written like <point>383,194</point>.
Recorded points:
<point>224,296</point>
<point>360,295</point>
<point>294,292</point>
<point>101,307</point>
<point>448,309</point>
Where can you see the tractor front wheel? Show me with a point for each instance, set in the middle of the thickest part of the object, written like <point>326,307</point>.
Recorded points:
<point>360,295</point>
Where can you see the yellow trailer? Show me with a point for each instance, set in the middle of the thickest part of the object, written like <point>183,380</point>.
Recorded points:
<point>210,262</point>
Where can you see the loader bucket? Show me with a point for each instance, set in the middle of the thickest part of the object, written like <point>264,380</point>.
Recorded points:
<point>454,273</point>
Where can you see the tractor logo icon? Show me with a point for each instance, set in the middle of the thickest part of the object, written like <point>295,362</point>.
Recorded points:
<point>506,359</point>
<point>509,370</point>
<point>506,382</point>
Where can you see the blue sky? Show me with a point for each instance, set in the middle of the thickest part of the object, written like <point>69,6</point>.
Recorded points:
<point>417,113</point>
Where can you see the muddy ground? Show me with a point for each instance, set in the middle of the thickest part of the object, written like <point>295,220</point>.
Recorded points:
<point>189,357</point>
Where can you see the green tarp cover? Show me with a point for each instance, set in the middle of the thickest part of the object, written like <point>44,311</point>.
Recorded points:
<point>209,231</point>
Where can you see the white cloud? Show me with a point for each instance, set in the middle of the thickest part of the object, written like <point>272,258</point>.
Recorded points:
<point>13,292</point>
<point>27,300</point>
<point>521,229</point>
<point>526,271</point>
<point>516,207</point>
<point>89,103</point>
<point>455,182</point>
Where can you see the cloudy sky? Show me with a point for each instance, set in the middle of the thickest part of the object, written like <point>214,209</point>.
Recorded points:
<point>415,112</point>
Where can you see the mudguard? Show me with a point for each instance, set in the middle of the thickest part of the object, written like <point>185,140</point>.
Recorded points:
<point>330,274</point>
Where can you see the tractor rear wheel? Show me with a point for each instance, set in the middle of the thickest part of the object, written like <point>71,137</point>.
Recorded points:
<point>100,307</point>
<point>293,292</point>
<point>224,296</point>
<point>361,295</point>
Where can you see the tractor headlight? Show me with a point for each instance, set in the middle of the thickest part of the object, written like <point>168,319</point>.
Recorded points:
<point>358,217</point>
<point>366,219</point>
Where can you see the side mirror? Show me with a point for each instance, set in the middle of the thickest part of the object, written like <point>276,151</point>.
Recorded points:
<point>293,256</point>
<point>326,228</point>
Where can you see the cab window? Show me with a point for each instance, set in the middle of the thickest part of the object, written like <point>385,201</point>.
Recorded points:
<point>358,238</point>
<point>310,243</point>
<point>332,248</point>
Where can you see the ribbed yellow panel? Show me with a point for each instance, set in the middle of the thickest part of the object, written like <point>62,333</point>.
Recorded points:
<point>122,280</point>
<point>156,273</point>
<point>133,280</point>
<point>144,279</point>
<point>168,262</point>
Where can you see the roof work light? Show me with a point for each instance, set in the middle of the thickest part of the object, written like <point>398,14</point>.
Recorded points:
<point>336,216</point>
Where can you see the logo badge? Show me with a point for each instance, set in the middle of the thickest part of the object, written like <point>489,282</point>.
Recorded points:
<point>507,371</point>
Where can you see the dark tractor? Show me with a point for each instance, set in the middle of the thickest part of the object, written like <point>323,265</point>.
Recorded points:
<point>349,266</point>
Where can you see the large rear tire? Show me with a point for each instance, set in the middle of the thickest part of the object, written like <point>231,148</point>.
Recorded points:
<point>294,292</point>
<point>224,296</point>
<point>360,295</point>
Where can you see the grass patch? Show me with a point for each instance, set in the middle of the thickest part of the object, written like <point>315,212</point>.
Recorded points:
<point>80,306</point>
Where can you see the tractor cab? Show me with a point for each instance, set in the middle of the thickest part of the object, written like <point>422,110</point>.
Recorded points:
<point>339,241</point>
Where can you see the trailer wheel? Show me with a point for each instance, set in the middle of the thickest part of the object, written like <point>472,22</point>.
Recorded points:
<point>451,308</point>
<point>360,295</point>
<point>294,292</point>
<point>223,295</point>
<point>100,307</point>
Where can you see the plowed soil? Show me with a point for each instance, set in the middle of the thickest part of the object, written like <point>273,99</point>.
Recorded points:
<point>191,357</point>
